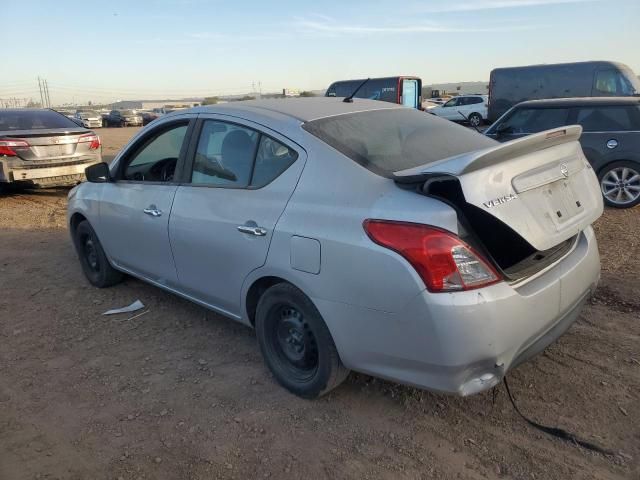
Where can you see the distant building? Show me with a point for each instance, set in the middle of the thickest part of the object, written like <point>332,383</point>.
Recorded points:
<point>151,104</point>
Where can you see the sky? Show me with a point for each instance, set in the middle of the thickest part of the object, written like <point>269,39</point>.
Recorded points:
<point>148,49</point>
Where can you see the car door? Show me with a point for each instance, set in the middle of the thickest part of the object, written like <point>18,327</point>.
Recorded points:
<point>463,109</point>
<point>449,109</point>
<point>135,207</point>
<point>239,182</point>
<point>609,133</point>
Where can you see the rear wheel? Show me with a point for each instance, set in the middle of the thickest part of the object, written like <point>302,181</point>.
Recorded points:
<point>475,119</point>
<point>296,343</point>
<point>620,184</point>
<point>95,264</point>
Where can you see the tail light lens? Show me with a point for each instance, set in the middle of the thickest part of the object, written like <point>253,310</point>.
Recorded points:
<point>7,147</point>
<point>92,138</point>
<point>444,262</point>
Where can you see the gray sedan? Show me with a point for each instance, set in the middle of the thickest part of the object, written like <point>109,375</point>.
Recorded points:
<point>352,235</point>
<point>44,148</point>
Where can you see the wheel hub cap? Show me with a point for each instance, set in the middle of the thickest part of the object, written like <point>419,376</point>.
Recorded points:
<point>621,185</point>
<point>91,254</point>
<point>295,339</point>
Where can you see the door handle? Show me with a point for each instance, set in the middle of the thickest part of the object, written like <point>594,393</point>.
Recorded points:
<point>252,230</point>
<point>153,211</point>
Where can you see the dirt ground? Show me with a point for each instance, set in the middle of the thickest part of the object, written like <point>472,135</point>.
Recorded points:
<point>182,393</point>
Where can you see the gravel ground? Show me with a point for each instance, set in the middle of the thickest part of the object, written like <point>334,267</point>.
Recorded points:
<point>182,393</point>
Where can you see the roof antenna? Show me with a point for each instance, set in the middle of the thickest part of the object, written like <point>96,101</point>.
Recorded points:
<point>349,99</point>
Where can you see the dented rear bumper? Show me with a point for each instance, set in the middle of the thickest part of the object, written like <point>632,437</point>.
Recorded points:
<point>464,342</point>
<point>48,174</point>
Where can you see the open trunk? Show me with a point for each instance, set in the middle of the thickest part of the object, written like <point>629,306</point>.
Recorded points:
<point>523,202</point>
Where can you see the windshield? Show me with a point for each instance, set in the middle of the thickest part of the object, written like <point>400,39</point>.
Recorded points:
<point>129,112</point>
<point>390,140</point>
<point>33,120</point>
<point>630,83</point>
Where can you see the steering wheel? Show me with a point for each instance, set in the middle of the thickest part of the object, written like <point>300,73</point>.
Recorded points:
<point>168,170</point>
<point>164,169</point>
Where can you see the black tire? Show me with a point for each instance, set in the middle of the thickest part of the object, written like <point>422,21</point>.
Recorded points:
<point>95,265</point>
<point>296,343</point>
<point>475,119</point>
<point>620,184</point>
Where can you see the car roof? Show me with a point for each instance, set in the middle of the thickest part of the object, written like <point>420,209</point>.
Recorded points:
<point>579,102</point>
<point>301,109</point>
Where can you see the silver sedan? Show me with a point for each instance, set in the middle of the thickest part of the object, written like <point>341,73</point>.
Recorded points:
<point>352,235</point>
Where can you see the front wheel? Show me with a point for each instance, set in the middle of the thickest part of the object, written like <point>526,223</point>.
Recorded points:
<point>620,184</point>
<point>296,343</point>
<point>95,264</point>
<point>475,119</point>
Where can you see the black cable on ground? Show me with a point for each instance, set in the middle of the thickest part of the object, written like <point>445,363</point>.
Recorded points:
<point>556,432</point>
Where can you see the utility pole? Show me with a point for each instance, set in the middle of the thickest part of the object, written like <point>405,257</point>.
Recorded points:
<point>46,94</point>
<point>41,98</point>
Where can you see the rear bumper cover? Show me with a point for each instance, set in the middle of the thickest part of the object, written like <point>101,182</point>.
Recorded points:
<point>465,342</point>
<point>52,174</point>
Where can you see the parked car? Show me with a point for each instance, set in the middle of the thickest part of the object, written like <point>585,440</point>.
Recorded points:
<point>363,236</point>
<point>471,108</point>
<point>44,148</point>
<point>401,90</point>
<point>88,118</point>
<point>509,86</point>
<point>123,118</point>
<point>147,117</point>
<point>610,137</point>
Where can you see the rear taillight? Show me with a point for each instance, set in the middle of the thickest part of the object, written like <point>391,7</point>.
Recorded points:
<point>7,147</point>
<point>92,138</point>
<point>444,262</point>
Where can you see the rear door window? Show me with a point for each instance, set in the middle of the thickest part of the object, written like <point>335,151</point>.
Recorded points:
<point>273,158</point>
<point>225,155</point>
<point>534,120</point>
<point>609,119</point>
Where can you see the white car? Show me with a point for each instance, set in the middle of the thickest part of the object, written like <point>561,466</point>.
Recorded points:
<point>88,118</point>
<point>471,108</point>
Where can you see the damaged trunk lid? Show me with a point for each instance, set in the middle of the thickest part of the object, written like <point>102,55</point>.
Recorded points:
<point>541,186</point>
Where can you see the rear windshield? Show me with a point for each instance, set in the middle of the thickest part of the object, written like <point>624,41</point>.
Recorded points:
<point>390,140</point>
<point>33,120</point>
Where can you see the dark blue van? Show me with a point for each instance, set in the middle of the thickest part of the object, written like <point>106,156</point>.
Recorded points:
<point>401,90</point>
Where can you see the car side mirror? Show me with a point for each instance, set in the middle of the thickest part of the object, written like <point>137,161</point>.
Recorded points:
<point>98,173</point>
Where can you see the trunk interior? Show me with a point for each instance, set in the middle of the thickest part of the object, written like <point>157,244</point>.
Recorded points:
<point>513,255</point>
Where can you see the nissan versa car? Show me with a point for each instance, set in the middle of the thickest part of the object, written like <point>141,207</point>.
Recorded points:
<point>44,148</point>
<point>610,137</point>
<point>362,235</point>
